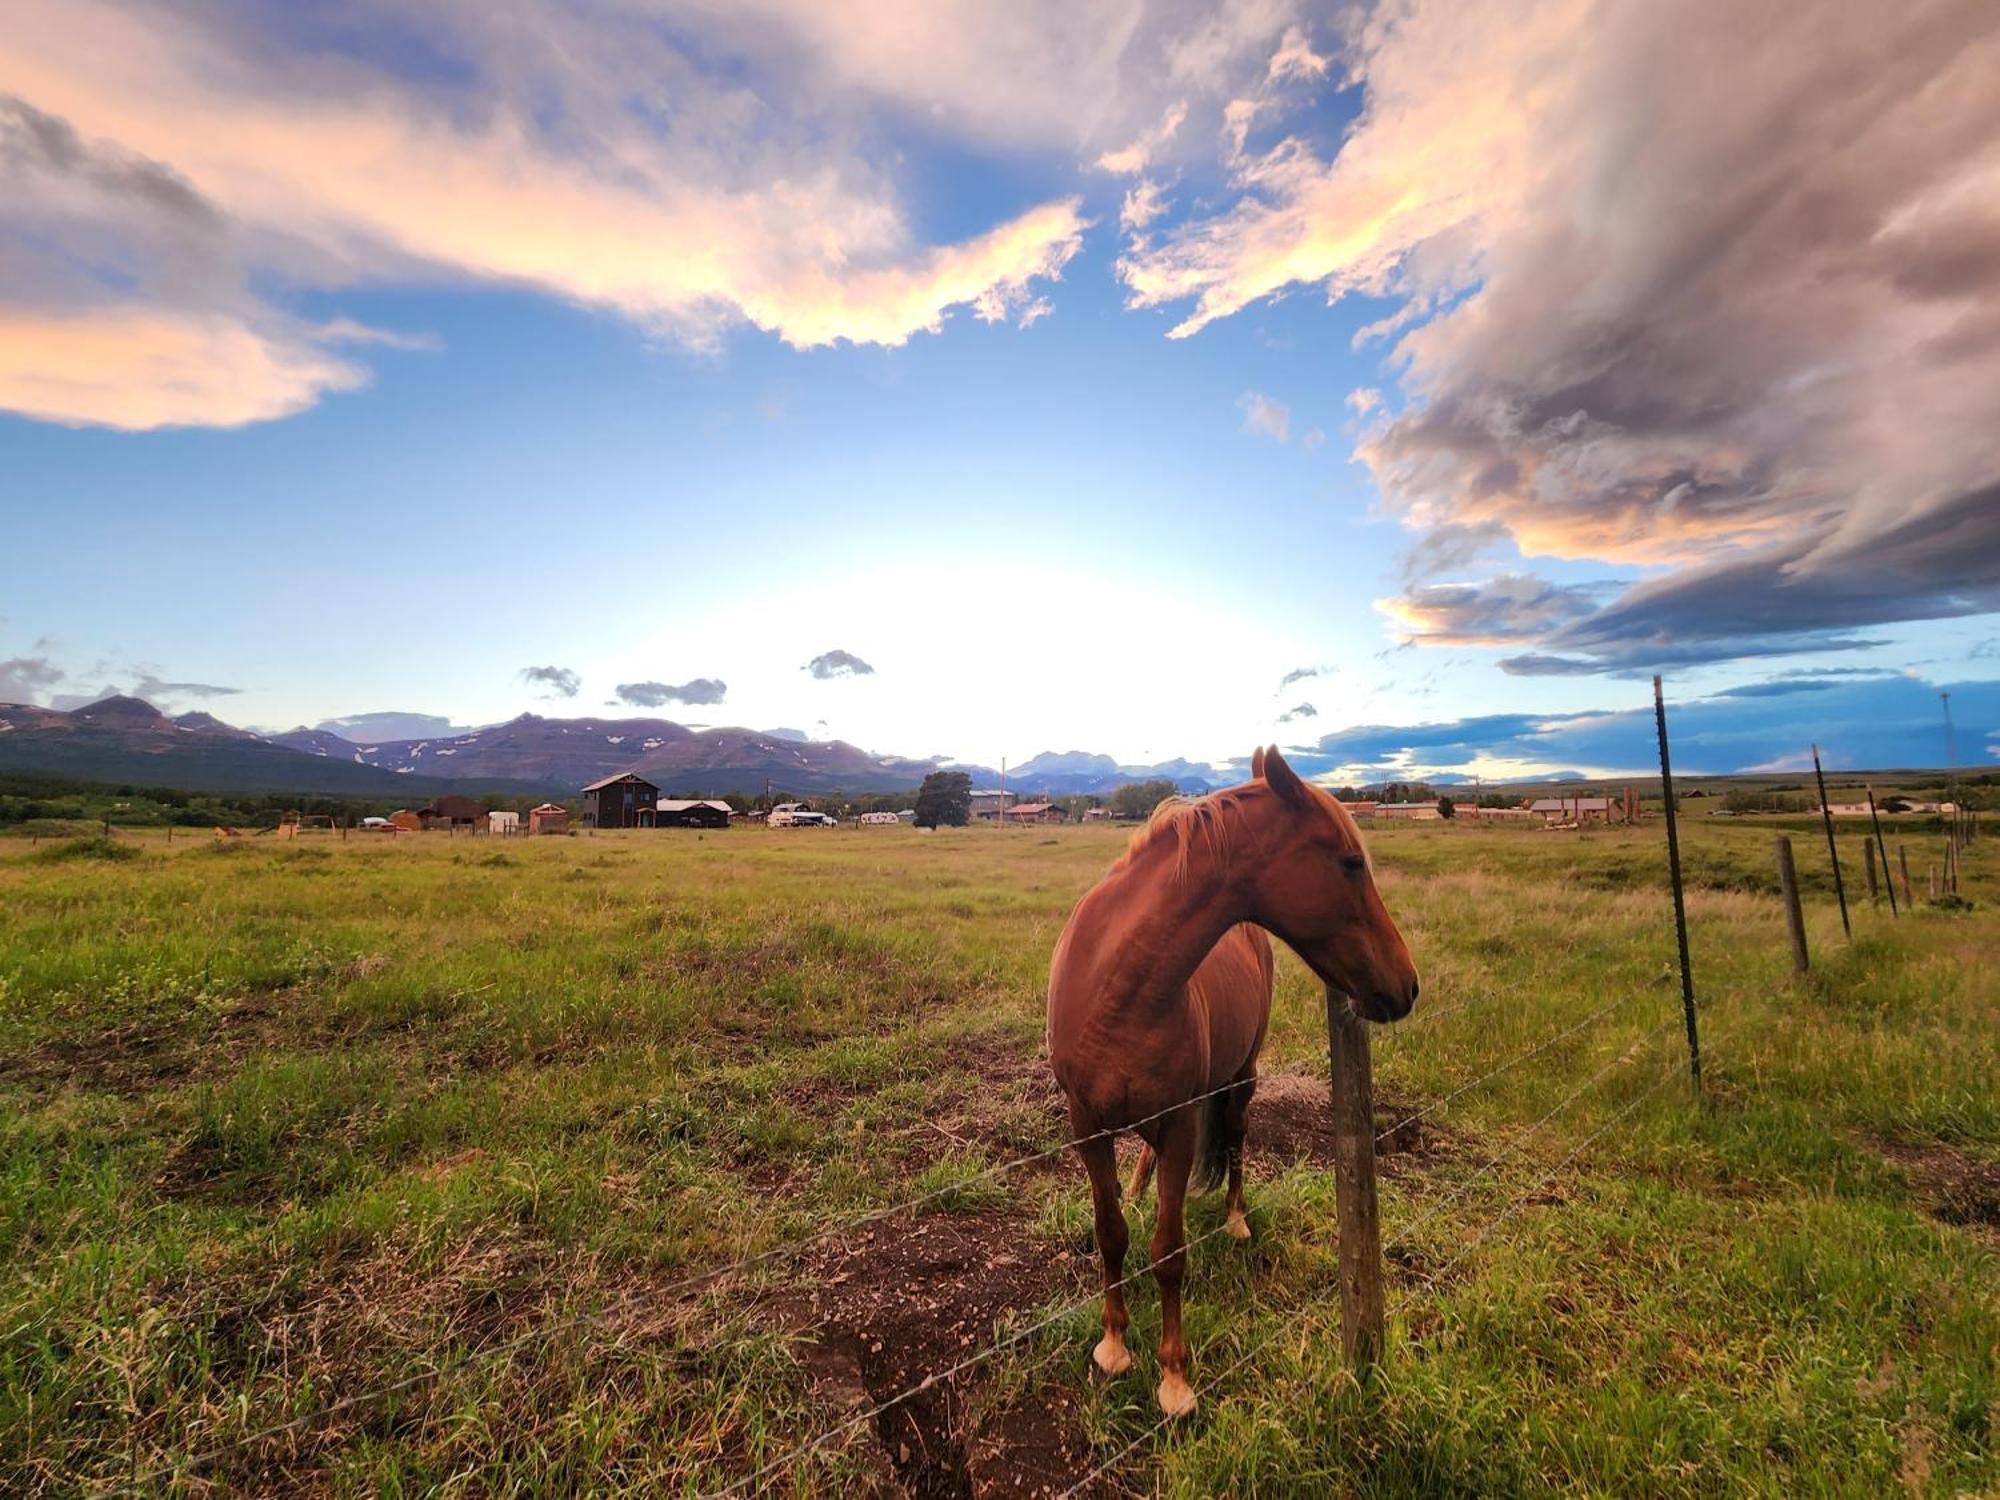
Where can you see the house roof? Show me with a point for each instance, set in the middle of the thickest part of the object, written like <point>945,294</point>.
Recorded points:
<point>552,807</point>
<point>1573,804</point>
<point>683,804</point>
<point>1028,809</point>
<point>598,786</point>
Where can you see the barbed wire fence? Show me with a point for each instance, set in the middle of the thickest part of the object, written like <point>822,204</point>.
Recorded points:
<point>1511,1149</point>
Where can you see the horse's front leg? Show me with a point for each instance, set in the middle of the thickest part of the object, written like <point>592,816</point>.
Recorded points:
<point>1176,1161</point>
<point>1100,1160</point>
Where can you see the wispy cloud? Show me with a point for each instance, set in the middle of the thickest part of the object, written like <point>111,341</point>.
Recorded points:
<point>1300,674</point>
<point>702,690</point>
<point>554,682</point>
<point>1263,414</point>
<point>24,679</point>
<point>1619,344</point>
<point>837,663</point>
<point>1298,711</point>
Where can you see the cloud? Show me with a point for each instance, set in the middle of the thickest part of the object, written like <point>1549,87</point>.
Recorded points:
<point>151,687</point>
<point>1142,205</point>
<point>1870,722</point>
<point>391,724</point>
<point>1300,674</point>
<point>1735,309</point>
<point>1262,414</point>
<point>557,682</point>
<point>1495,611</point>
<point>837,664</point>
<point>1448,548</point>
<point>1298,711</point>
<point>172,177</point>
<point>24,679</point>
<point>1139,155</point>
<point>702,690</point>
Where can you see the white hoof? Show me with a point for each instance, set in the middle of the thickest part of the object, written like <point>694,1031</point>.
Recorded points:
<point>1111,1356</point>
<point>1176,1395</point>
<point>1238,1227</point>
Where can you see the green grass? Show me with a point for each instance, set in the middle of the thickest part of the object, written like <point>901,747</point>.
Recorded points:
<point>283,1124</point>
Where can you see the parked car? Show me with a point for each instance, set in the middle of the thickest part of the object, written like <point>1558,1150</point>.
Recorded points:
<point>798,815</point>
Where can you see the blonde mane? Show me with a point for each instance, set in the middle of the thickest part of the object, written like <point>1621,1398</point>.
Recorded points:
<point>1187,819</point>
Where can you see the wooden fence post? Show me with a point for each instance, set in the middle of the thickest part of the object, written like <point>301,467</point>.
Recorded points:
<point>1355,1208</point>
<point>1832,849</point>
<point>1888,875</point>
<point>1932,871</point>
<point>1903,859</point>
<point>1680,900</point>
<point>1868,867</point>
<point>1788,887</point>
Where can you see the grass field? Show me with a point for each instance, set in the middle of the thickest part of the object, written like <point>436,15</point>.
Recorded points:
<point>283,1124</point>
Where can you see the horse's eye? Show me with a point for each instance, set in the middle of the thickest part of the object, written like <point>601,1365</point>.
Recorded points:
<point>1354,864</point>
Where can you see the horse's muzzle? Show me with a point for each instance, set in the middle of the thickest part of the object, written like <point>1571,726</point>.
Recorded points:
<point>1384,1006</point>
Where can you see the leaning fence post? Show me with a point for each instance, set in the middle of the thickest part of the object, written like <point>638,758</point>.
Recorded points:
<point>1903,859</point>
<point>1788,887</point>
<point>1355,1207</point>
<point>1868,866</point>
<point>1888,875</point>
<point>1674,871</point>
<point>1832,849</point>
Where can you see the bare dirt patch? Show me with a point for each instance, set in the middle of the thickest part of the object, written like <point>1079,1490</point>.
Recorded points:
<point>1290,1122</point>
<point>1956,1188</point>
<point>138,1057</point>
<point>913,1297</point>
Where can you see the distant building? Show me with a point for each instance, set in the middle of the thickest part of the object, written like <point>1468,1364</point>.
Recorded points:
<point>1495,814</point>
<point>681,813</point>
<point>406,819</point>
<point>880,819</point>
<point>1409,812</point>
<point>1037,812</point>
<point>503,822</point>
<point>550,817</point>
<point>989,804</point>
<point>1578,809</point>
<point>454,811</point>
<point>618,801</point>
<point>1361,809</point>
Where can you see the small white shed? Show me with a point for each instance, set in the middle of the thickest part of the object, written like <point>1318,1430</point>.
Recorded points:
<point>503,822</point>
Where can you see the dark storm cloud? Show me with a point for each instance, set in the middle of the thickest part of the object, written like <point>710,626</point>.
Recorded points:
<point>837,664</point>
<point>1874,722</point>
<point>653,694</point>
<point>556,682</point>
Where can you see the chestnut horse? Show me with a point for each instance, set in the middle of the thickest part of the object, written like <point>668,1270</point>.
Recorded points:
<point>1160,992</point>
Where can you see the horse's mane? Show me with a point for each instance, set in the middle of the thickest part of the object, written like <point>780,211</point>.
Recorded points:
<point>1186,819</point>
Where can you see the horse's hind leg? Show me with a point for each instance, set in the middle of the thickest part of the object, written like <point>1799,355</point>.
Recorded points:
<point>1177,1143</point>
<point>1142,1173</point>
<point>1100,1160</point>
<point>1235,1125</point>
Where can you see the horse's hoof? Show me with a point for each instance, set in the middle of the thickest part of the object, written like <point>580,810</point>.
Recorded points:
<point>1176,1395</point>
<point>1239,1227</point>
<point>1111,1356</point>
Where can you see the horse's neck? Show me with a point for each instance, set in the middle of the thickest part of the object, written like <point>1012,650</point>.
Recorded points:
<point>1169,910</point>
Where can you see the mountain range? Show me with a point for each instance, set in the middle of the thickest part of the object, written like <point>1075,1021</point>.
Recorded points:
<point>128,740</point>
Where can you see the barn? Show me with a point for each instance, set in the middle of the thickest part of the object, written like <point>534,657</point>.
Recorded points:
<point>550,817</point>
<point>406,820</point>
<point>684,813</point>
<point>454,811</point>
<point>1037,812</point>
<point>618,801</point>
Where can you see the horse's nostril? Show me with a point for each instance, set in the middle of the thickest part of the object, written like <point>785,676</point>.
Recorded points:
<point>1415,986</point>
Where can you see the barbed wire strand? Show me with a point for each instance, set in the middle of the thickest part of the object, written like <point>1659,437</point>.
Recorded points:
<point>1667,1076</point>
<point>626,1302</point>
<point>1513,1062</point>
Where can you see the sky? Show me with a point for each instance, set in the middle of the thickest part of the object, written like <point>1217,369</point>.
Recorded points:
<point>1403,383</point>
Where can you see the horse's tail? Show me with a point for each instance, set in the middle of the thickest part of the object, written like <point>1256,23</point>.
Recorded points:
<point>1211,1144</point>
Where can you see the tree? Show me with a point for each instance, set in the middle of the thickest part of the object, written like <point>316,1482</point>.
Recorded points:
<point>944,800</point>
<point>1137,799</point>
<point>1447,808</point>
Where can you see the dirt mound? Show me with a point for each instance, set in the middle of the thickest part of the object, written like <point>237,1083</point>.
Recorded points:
<point>914,1296</point>
<point>1956,1188</point>
<point>1290,1122</point>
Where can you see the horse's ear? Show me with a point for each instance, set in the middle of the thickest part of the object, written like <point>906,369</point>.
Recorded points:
<point>1257,764</point>
<point>1283,779</point>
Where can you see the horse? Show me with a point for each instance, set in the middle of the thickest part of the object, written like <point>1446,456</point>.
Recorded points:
<point>1160,995</point>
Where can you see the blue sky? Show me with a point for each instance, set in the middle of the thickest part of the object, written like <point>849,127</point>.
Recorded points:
<point>1036,360</point>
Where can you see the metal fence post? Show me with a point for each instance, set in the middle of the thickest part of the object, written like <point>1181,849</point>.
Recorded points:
<point>1674,871</point>
<point>1868,867</point>
<point>1832,849</point>
<point>1888,875</point>
<point>1788,887</point>
<point>1355,1207</point>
